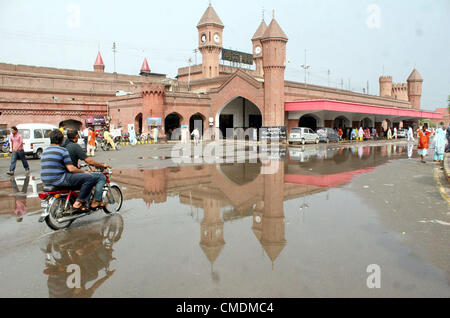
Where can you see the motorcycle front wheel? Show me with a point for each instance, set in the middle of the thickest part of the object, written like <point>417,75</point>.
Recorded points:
<point>55,210</point>
<point>113,200</point>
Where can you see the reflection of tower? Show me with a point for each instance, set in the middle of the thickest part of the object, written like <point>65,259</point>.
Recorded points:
<point>155,186</point>
<point>211,237</point>
<point>272,230</point>
<point>274,63</point>
<point>258,213</point>
<point>210,29</point>
<point>257,48</point>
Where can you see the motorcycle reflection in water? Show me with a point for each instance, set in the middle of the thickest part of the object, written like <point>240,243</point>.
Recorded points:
<point>90,247</point>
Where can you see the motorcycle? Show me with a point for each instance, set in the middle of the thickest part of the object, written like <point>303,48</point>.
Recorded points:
<point>117,142</point>
<point>58,203</point>
<point>5,145</point>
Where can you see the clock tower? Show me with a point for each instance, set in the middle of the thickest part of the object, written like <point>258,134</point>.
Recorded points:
<point>257,48</point>
<point>210,29</point>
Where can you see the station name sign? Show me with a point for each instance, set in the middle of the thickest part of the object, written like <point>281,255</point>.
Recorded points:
<point>236,56</point>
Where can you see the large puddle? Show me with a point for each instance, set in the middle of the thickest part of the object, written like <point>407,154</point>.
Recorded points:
<point>298,227</point>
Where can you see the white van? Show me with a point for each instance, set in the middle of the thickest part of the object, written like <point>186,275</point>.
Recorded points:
<point>36,138</point>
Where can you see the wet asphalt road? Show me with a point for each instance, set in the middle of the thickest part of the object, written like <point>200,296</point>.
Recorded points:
<point>308,228</point>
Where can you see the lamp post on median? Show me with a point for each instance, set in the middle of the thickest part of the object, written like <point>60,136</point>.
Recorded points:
<point>305,67</point>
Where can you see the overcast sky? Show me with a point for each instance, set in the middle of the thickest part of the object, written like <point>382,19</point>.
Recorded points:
<point>354,39</point>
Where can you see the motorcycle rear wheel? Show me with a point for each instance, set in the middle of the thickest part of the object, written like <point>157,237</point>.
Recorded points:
<point>113,200</point>
<point>55,210</point>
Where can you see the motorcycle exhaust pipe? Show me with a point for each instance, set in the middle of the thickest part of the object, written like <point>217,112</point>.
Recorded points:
<point>73,217</point>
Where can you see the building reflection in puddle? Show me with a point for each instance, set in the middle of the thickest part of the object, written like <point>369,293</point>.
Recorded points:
<point>228,191</point>
<point>90,247</point>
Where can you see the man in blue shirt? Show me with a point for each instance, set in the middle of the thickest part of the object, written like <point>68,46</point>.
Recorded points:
<point>57,170</point>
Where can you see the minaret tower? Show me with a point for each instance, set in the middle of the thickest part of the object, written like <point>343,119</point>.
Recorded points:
<point>274,63</point>
<point>210,29</point>
<point>414,88</point>
<point>257,47</point>
<point>98,65</point>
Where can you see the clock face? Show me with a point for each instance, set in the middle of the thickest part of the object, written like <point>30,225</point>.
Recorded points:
<point>257,49</point>
<point>203,38</point>
<point>216,38</point>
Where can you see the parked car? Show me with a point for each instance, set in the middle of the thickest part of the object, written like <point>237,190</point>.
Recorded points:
<point>402,133</point>
<point>303,135</point>
<point>36,138</point>
<point>327,135</point>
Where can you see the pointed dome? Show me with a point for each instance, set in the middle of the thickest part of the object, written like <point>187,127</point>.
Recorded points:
<point>415,76</point>
<point>273,249</point>
<point>274,31</point>
<point>99,60</point>
<point>212,252</point>
<point>210,17</point>
<point>260,32</point>
<point>145,68</point>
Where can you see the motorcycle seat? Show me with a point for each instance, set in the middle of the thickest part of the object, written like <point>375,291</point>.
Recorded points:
<point>54,188</point>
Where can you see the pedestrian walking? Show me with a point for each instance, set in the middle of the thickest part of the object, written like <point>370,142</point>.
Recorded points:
<point>410,134</point>
<point>424,138</point>
<point>132,136</point>
<point>196,134</point>
<point>395,133</point>
<point>439,143</point>
<point>85,134</point>
<point>361,134</point>
<point>16,147</point>
<point>155,134</point>
<point>389,133</point>
<point>91,142</point>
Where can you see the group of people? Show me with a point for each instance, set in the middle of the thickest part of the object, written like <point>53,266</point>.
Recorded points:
<point>363,134</point>
<point>133,136</point>
<point>440,144</point>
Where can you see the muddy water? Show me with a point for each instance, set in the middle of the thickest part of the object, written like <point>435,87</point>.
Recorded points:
<point>306,226</point>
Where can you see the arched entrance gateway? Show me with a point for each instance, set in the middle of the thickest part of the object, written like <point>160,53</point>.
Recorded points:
<point>171,123</point>
<point>308,121</point>
<point>138,123</point>
<point>197,121</point>
<point>238,113</point>
<point>367,123</point>
<point>71,123</point>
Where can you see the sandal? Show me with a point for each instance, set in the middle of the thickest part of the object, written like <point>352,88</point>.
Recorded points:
<point>99,205</point>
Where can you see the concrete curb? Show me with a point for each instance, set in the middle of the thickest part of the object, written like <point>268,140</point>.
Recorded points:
<point>5,155</point>
<point>447,165</point>
<point>138,143</point>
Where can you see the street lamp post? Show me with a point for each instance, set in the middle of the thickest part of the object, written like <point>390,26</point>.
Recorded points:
<point>305,67</point>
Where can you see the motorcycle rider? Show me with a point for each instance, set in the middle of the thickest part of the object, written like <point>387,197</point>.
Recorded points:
<point>58,170</point>
<point>76,153</point>
<point>109,139</point>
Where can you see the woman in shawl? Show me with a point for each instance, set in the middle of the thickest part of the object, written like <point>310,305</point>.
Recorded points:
<point>439,143</point>
<point>361,134</point>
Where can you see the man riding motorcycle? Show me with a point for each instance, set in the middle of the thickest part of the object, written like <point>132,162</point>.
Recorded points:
<point>76,153</point>
<point>58,170</point>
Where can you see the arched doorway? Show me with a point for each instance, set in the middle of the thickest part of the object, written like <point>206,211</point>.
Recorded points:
<point>171,122</point>
<point>138,123</point>
<point>367,123</point>
<point>71,123</point>
<point>308,121</point>
<point>238,113</point>
<point>341,122</point>
<point>197,121</point>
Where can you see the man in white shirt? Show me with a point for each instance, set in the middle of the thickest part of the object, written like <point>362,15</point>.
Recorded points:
<point>85,134</point>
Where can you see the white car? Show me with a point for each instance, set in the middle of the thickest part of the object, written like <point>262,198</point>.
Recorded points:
<point>36,138</point>
<point>303,135</point>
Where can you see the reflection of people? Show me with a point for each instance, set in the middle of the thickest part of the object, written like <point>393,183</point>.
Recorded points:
<point>410,150</point>
<point>91,248</point>
<point>20,197</point>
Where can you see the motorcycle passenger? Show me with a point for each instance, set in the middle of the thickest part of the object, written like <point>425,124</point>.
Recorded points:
<point>108,137</point>
<point>58,170</point>
<point>76,153</point>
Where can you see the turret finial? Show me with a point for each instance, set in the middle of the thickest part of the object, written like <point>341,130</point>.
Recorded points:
<point>210,3</point>
<point>273,14</point>
<point>263,13</point>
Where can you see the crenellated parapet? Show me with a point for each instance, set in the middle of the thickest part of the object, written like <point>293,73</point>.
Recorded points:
<point>152,89</point>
